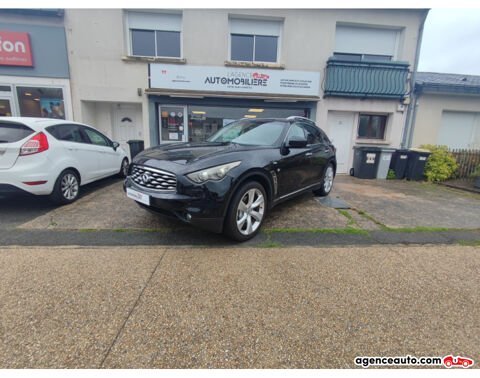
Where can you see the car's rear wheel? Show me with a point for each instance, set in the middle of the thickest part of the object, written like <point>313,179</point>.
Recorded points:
<point>247,212</point>
<point>67,187</point>
<point>123,168</point>
<point>327,182</point>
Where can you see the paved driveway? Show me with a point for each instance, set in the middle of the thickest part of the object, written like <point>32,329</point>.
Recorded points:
<point>226,308</point>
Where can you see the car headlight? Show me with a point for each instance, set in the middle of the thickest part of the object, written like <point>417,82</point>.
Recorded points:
<point>213,173</point>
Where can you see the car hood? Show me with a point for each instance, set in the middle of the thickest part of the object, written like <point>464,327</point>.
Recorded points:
<point>189,153</point>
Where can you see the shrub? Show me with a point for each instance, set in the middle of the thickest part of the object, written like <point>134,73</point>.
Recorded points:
<point>391,174</point>
<point>441,164</point>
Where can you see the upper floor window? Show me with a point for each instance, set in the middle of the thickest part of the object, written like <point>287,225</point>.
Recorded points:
<point>357,43</point>
<point>254,40</point>
<point>155,34</point>
<point>372,126</point>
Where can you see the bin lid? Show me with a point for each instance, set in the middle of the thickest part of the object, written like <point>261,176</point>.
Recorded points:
<point>134,141</point>
<point>387,149</point>
<point>419,150</point>
<point>367,148</point>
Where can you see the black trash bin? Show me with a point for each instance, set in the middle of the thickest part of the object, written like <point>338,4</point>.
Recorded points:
<point>136,146</point>
<point>365,161</point>
<point>417,159</point>
<point>399,163</point>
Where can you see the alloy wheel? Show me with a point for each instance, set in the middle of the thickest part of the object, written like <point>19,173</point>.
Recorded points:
<point>250,211</point>
<point>328,181</point>
<point>69,186</point>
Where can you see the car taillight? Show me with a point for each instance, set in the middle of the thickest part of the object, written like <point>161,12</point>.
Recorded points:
<point>34,145</point>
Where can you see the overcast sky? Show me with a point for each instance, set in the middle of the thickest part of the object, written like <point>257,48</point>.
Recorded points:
<point>451,41</point>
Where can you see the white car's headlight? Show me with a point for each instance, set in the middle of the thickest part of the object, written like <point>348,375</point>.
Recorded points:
<point>213,173</point>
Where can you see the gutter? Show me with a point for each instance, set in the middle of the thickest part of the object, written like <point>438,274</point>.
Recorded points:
<point>408,131</point>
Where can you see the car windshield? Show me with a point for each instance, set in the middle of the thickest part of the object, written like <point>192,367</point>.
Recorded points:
<point>252,132</point>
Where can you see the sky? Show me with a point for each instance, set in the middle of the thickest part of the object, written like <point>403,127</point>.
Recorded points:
<point>451,41</point>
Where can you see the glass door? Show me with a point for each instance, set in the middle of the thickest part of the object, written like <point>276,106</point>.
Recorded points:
<point>173,123</point>
<point>5,107</point>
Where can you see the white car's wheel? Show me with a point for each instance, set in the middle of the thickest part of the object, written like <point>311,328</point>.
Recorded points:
<point>67,187</point>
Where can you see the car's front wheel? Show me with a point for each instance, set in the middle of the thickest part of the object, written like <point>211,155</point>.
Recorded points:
<point>67,187</point>
<point>247,212</point>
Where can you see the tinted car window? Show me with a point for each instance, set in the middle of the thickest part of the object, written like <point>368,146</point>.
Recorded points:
<point>68,133</point>
<point>297,131</point>
<point>96,138</point>
<point>13,132</point>
<point>313,134</point>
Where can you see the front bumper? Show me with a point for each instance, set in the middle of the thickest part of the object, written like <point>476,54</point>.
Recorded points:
<point>201,206</point>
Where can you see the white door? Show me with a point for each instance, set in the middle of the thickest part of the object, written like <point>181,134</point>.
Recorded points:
<point>341,127</point>
<point>173,123</point>
<point>128,124</point>
<point>459,130</point>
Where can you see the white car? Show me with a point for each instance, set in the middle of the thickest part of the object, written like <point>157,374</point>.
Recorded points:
<point>55,157</point>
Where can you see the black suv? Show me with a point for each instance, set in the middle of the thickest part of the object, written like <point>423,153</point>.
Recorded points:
<point>229,182</point>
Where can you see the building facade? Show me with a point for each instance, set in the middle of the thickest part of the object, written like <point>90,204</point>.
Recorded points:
<point>446,111</point>
<point>34,70</point>
<point>166,76</point>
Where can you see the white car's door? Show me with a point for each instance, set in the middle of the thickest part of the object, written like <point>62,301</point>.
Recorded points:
<point>109,159</point>
<point>74,144</point>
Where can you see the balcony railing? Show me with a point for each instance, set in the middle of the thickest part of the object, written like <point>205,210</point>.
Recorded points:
<point>366,79</point>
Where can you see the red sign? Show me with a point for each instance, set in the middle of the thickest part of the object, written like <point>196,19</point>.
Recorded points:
<point>15,49</point>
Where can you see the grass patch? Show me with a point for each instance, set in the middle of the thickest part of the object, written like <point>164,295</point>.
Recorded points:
<point>475,243</point>
<point>87,230</point>
<point>349,230</point>
<point>424,229</point>
<point>366,216</point>
<point>346,214</point>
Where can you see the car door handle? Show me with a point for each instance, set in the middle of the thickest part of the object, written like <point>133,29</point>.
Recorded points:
<point>308,154</point>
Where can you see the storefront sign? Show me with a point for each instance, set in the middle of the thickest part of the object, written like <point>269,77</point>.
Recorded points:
<point>239,80</point>
<point>15,49</point>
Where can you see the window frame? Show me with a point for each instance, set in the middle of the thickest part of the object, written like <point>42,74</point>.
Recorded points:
<point>369,136</point>
<point>362,57</point>
<point>254,44</point>
<point>128,31</point>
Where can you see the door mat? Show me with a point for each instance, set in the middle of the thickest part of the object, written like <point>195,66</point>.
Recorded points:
<point>334,202</point>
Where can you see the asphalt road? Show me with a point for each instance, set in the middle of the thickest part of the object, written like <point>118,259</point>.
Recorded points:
<point>124,307</point>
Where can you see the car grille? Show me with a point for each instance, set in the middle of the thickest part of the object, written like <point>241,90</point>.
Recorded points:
<point>154,178</point>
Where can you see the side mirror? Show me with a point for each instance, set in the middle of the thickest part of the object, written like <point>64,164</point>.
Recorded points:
<point>115,145</point>
<point>297,142</point>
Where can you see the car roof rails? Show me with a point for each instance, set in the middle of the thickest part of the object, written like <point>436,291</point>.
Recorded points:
<point>292,118</point>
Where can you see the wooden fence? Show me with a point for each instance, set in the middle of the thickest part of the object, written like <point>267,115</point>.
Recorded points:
<point>468,161</point>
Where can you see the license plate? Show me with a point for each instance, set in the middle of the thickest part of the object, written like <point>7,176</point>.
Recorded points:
<point>137,196</point>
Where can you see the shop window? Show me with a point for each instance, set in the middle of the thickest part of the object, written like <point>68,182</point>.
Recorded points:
<point>254,40</point>
<point>372,126</point>
<point>155,34</point>
<point>203,121</point>
<point>41,102</point>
